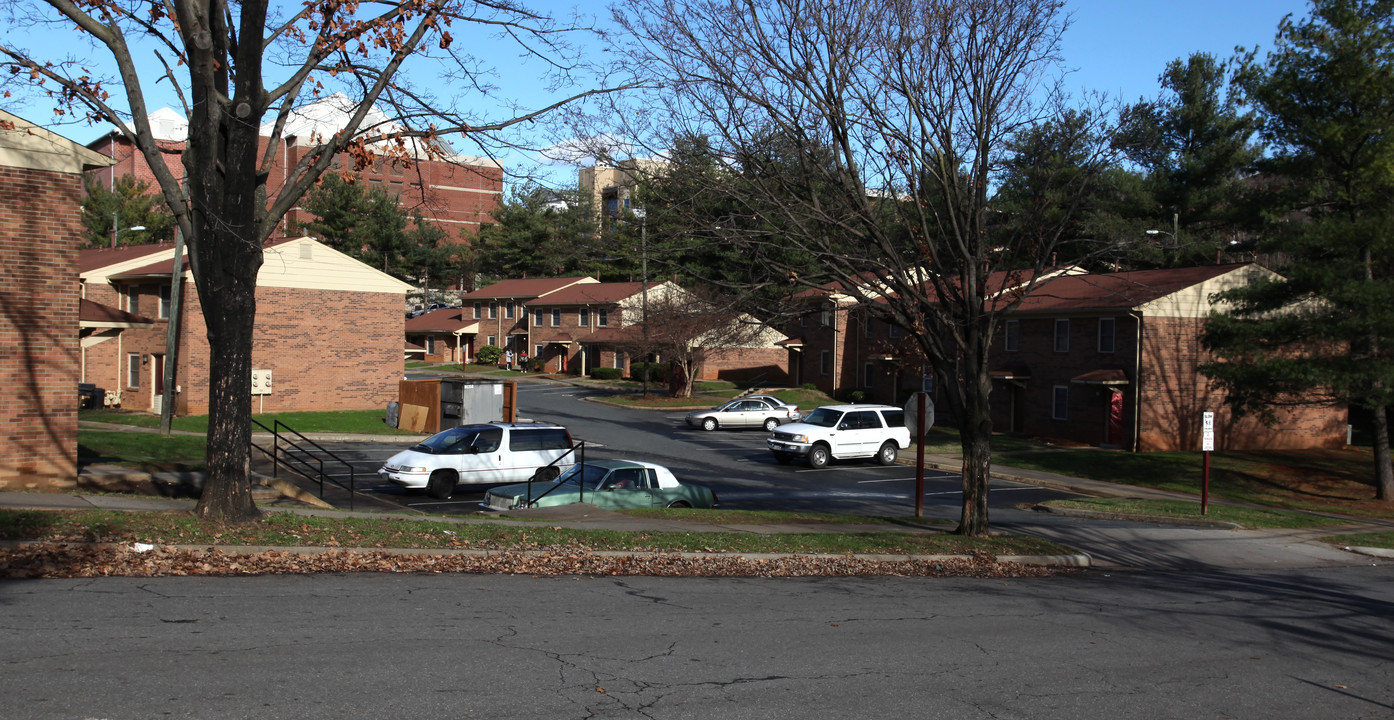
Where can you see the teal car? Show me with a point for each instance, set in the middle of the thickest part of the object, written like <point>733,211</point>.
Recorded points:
<point>610,484</point>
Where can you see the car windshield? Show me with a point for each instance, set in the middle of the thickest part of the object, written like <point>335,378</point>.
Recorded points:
<point>823,417</point>
<point>461,439</point>
<point>592,475</point>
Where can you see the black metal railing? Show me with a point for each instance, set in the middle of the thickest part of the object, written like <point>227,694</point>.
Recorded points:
<point>302,460</point>
<point>551,472</point>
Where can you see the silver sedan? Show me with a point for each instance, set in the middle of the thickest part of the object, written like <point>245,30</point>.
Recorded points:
<point>741,413</point>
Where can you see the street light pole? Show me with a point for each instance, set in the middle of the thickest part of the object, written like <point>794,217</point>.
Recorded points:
<point>642,214</point>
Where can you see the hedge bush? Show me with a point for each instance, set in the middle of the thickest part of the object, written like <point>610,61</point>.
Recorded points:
<point>658,372</point>
<point>488,355</point>
<point>604,373</point>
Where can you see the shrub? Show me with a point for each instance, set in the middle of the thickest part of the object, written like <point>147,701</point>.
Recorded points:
<point>658,372</point>
<point>604,373</point>
<point>488,355</point>
<point>809,386</point>
<point>856,396</point>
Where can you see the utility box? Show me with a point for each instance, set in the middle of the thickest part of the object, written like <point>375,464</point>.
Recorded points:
<point>429,406</point>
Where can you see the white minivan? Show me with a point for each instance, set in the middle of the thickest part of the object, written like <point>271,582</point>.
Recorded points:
<point>486,453</point>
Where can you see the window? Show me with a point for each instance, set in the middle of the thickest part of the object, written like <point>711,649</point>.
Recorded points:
<point>1062,336</point>
<point>556,317</point>
<point>493,309</point>
<point>868,374</point>
<point>803,321</point>
<point>133,370</point>
<point>585,317</point>
<point>430,344</point>
<point>477,313</point>
<point>870,327</point>
<point>537,350</point>
<point>165,299</point>
<point>1011,336</point>
<point>133,300</point>
<point>1060,406</point>
<point>537,315</point>
<point>892,331</point>
<point>823,318</point>
<point>602,317</point>
<point>1106,327</point>
<point>824,362</point>
<point>492,338</point>
<point>620,359</point>
<point>508,310</point>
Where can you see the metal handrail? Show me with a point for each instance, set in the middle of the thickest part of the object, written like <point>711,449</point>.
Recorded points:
<point>581,446</point>
<point>303,461</point>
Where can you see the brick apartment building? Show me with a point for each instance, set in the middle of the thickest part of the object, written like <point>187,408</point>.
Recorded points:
<point>457,192</point>
<point>1101,359</point>
<point>328,331</point>
<point>40,232</point>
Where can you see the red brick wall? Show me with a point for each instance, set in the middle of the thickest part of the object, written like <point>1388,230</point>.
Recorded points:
<point>327,350</point>
<point>766,366</point>
<point>40,231</point>
<point>1175,395</point>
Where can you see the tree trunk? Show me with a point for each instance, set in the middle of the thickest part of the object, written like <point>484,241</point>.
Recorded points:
<point>227,494</point>
<point>1384,473</point>
<point>975,437</point>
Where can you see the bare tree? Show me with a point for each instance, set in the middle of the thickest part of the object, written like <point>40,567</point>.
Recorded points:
<point>870,137</point>
<point>236,66</point>
<point>687,331</point>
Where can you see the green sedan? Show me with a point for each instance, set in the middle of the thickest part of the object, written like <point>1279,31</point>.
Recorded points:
<point>610,484</point>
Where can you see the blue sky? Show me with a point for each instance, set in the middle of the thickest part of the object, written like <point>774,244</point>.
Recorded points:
<point>1117,47</point>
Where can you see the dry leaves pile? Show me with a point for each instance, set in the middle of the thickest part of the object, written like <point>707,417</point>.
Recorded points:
<point>44,560</point>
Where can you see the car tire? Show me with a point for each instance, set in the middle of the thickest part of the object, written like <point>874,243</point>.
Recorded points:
<point>887,454</point>
<point>679,504</point>
<point>783,458</point>
<point>441,485</point>
<point>818,456</point>
<point>709,424</point>
<point>771,424</point>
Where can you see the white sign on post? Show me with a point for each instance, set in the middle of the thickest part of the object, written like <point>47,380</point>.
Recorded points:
<point>1207,432</point>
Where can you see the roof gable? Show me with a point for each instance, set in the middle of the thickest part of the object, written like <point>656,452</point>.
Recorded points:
<point>597,293</point>
<point>26,145</point>
<point>1171,292</point>
<point>525,288</point>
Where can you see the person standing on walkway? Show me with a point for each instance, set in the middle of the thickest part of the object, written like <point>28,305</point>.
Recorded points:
<point>508,359</point>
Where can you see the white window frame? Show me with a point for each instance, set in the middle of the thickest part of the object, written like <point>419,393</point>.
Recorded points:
<point>133,371</point>
<point>1062,339</point>
<point>556,317</point>
<point>133,301</point>
<point>493,310</point>
<point>602,317</point>
<point>583,317</point>
<point>478,311</point>
<point>1060,402</point>
<point>508,310</point>
<point>166,297</point>
<point>538,316</point>
<point>823,318</point>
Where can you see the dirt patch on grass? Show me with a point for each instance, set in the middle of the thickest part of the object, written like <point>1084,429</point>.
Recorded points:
<point>1338,480</point>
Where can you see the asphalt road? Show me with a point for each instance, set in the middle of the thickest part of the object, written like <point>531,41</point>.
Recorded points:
<point>1310,645</point>
<point>734,463</point>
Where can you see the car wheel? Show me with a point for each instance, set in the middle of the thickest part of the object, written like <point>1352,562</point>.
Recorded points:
<point>818,456</point>
<point>441,485</point>
<point>887,454</point>
<point>783,458</point>
<point>771,424</point>
<point>679,504</point>
<point>708,424</point>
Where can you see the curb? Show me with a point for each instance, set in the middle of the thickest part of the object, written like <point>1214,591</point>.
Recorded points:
<point>1371,551</point>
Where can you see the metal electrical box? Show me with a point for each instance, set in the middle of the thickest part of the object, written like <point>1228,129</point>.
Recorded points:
<point>436,404</point>
<point>261,382</point>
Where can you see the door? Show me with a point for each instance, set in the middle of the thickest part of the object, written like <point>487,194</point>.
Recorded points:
<point>1114,433</point>
<point>480,458</point>
<point>858,434</point>
<point>157,389</point>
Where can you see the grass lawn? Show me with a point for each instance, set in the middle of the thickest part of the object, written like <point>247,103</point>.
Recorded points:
<point>1242,516</point>
<point>358,422</point>
<point>286,529</point>
<point>151,452</point>
<point>1374,540</point>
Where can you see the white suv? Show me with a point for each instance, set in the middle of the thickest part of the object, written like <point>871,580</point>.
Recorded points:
<point>473,454</point>
<point>843,431</point>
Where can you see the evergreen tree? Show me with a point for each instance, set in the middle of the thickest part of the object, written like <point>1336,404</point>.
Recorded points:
<point>1326,94</point>
<point>131,204</point>
<point>540,232</point>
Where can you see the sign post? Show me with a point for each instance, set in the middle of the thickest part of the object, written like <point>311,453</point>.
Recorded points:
<point>919,419</point>
<point>1207,445</point>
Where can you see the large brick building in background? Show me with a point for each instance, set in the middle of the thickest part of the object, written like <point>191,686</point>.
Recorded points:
<point>40,232</point>
<point>457,192</point>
